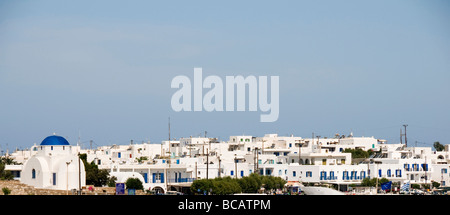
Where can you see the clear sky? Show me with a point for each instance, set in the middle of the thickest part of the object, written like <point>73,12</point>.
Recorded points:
<point>102,69</point>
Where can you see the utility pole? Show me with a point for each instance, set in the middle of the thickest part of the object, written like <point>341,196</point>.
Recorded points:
<point>207,163</point>
<point>299,151</point>
<point>406,140</point>
<point>235,166</point>
<point>401,134</point>
<point>196,171</point>
<point>79,174</point>
<point>219,166</point>
<point>169,161</point>
<point>254,159</point>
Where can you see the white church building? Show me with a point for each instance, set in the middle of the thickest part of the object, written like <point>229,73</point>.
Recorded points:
<point>54,166</point>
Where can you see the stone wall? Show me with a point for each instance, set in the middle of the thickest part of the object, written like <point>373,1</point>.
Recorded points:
<point>18,188</point>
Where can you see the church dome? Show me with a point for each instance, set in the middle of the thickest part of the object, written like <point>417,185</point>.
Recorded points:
<point>55,141</point>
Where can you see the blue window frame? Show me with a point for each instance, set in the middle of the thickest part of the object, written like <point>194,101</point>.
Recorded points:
<point>33,173</point>
<point>54,178</point>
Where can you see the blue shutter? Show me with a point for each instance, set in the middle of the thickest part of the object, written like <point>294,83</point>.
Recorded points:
<point>154,177</point>
<point>145,178</point>
<point>162,177</point>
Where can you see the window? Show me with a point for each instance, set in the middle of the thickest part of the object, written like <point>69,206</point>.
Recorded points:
<point>54,178</point>
<point>51,147</point>
<point>444,170</point>
<point>353,175</point>
<point>324,161</point>
<point>345,175</point>
<point>308,174</point>
<point>362,174</point>
<point>332,175</point>
<point>242,173</point>
<point>158,177</point>
<point>398,173</point>
<point>294,173</point>
<point>33,174</point>
<point>232,172</point>
<point>323,175</point>
<point>342,161</point>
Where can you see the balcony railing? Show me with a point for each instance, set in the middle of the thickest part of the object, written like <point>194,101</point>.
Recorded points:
<point>180,180</point>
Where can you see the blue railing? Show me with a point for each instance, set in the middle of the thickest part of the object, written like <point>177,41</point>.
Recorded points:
<point>180,180</point>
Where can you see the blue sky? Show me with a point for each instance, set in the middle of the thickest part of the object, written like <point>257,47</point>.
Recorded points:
<point>103,69</point>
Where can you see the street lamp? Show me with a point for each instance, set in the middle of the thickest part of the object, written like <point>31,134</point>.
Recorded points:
<point>67,177</point>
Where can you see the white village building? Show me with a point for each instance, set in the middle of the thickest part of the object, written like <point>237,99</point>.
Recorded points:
<point>175,164</point>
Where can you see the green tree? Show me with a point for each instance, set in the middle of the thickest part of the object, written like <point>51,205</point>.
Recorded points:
<point>134,183</point>
<point>438,146</point>
<point>198,186</point>
<point>228,185</point>
<point>436,184</point>
<point>112,181</point>
<point>250,184</point>
<point>359,153</point>
<point>5,174</point>
<point>142,159</point>
<point>94,176</point>
<point>366,182</point>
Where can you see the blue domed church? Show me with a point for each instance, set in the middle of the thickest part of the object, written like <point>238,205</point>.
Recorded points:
<point>55,166</point>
